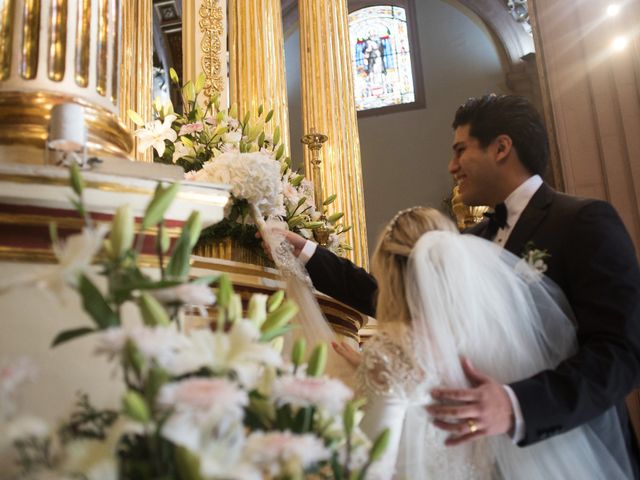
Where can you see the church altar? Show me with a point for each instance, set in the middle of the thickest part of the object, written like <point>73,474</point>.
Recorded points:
<point>34,196</point>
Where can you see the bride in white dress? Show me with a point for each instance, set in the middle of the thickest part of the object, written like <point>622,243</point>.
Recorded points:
<point>441,296</point>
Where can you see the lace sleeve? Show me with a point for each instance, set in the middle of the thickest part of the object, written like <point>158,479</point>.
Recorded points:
<point>387,368</point>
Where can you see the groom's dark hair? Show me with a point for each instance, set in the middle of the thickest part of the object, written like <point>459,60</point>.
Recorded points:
<point>493,115</point>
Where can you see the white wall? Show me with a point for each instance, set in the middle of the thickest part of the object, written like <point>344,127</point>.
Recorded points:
<point>405,155</point>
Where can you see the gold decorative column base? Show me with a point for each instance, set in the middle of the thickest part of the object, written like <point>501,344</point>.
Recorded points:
<point>24,119</point>
<point>466,216</point>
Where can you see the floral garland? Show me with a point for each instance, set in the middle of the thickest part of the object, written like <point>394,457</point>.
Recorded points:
<point>212,145</point>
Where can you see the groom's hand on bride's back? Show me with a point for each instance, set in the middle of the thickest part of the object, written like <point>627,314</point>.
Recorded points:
<point>470,413</point>
<point>297,241</point>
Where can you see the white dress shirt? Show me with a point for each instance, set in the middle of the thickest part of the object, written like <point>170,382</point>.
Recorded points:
<point>516,202</point>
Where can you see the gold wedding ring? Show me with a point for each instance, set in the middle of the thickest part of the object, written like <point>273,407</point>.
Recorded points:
<point>473,428</point>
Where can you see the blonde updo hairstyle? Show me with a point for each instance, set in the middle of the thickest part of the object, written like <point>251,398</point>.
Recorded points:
<point>390,258</point>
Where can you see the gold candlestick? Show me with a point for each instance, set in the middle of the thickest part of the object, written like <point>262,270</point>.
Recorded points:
<point>314,142</point>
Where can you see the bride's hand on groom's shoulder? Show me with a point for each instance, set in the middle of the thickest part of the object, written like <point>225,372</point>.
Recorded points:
<point>467,414</point>
<point>346,351</point>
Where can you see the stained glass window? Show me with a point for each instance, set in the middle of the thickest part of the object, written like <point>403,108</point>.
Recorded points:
<point>381,57</point>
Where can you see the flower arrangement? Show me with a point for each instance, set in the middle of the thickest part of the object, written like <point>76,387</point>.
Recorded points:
<point>216,403</point>
<point>211,144</point>
<point>533,263</point>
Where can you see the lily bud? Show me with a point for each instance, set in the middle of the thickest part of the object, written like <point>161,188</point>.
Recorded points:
<point>121,235</point>
<point>298,351</point>
<point>380,445</point>
<point>257,310</point>
<point>135,406</point>
<point>194,222</point>
<point>275,301</point>
<point>153,313</point>
<point>235,308</point>
<point>318,361</point>
<point>280,317</point>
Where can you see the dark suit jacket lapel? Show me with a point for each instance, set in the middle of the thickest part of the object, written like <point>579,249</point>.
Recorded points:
<point>529,220</point>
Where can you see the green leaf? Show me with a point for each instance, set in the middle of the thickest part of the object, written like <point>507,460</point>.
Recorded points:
<point>174,76</point>
<point>317,361</point>
<point>77,183</point>
<point>153,313</point>
<point>67,335</point>
<point>135,118</point>
<point>205,280</point>
<point>187,464</point>
<point>276,136</point>
<point>200,81</point>
<point>178,266</point>
<point>159,204</point>
<point>261,139</point>
<point>247,117</point>
<point>156,379</point>
<point>280,152</point>
<point>276,332</point>
<point>269,116</point>
<point>78,206</point>
<point>260,110</point>
<point>189,91</point>
<point>95,304</point>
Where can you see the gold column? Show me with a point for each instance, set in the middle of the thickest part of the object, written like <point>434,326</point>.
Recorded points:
<point>137,63</point>
<point>257,61</point>
<point>328,107</point>
<point>59,51</point>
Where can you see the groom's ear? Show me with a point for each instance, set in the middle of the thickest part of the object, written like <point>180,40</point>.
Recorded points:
<point>503,146</point>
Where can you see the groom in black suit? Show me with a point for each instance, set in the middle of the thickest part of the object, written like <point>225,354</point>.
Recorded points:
<point>500,151</point>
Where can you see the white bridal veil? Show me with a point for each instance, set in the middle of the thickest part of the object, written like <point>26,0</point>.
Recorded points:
<point>468,296</point>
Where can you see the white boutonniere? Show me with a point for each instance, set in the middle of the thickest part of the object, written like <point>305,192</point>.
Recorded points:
<point>533,263</point>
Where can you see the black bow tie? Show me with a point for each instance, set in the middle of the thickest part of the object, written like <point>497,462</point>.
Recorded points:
<point>497,220</point>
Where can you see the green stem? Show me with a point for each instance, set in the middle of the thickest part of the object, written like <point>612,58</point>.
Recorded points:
<point>159,248</point>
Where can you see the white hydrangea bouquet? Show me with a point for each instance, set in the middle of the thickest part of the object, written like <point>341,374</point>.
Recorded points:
<point>212,145</point>
<point>217,403</point>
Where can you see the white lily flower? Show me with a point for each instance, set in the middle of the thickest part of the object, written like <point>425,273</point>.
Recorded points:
<point>171,350</point>
<point>277,453</point>
<point>203,408</point>
<point>232,137</point>
<point>155,133</point>
<point>327,393</point>
<point>188,293</point>
<point>98,459</point>
<point>181,150</point>
<point>238,350</point>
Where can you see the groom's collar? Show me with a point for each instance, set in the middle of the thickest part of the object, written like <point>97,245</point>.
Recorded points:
<point>531,216</point>
<point>518,200</point>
